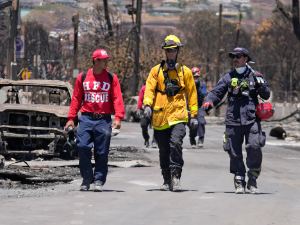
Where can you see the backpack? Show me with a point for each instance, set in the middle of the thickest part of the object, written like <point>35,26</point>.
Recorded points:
<point>110,76</point>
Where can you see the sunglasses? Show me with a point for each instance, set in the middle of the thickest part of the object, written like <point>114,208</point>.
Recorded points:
<point>236,56</point>
<point>171,50</point>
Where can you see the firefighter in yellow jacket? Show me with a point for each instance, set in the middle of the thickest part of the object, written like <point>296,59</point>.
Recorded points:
<point>165,101</point>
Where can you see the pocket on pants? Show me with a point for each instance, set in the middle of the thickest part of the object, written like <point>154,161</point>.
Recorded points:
<point>262,139</point>
<point>226,143</point>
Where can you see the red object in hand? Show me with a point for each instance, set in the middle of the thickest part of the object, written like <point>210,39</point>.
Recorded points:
<point>265,111</point>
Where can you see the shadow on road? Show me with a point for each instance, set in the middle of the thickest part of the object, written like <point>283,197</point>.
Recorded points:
<point>91,190</point>
<point>232,192</point>
<point>178,191</point>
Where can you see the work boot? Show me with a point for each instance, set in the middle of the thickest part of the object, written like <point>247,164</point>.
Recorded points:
<point>154,145</point>
<point>167,179</point>
<point>193,142</point>
<point>175,179</point>
<point>85,186</point>
<point>239,184</point>
<point>98,187</point>
<point>146,143</point>
<point>252,186</point>
<point>200,142</point>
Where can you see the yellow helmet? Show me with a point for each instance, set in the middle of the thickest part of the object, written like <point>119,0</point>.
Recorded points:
<point>171,41</point>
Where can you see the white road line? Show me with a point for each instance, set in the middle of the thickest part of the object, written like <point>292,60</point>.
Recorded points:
<point>78,212</point>
<point>142,183</point>
<point>206,197</point>
<point>79,196</point>
<point>79,203</point>
<point>77,222</point>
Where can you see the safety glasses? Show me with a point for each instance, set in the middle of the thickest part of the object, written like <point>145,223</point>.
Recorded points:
<point>236,56</point>
<point>173,50</point>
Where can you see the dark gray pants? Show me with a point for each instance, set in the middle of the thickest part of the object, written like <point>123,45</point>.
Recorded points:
<point>200,131</point>
<point>170,142</point>
<point>254,140</point>
<point>144,125</point>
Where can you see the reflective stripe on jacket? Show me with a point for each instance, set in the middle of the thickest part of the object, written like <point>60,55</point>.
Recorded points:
<point>170,110</point>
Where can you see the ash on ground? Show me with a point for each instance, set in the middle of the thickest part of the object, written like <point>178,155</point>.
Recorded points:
<point>15,176</point>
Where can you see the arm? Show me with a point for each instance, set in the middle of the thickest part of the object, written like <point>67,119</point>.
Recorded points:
<point>117,100</point>
<point>76,102</point>
<point>77,99</point>
<point>203,91</point>
<point>191,92</point>
<point>141,98</point>
<point>263,90</point>
<point>150,87</point>
<point>218,91</point>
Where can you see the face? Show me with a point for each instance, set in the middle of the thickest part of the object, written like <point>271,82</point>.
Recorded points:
<point>102,63</point>
<point>172,53</point>
<point>239,60</point>
<point>196,79</point>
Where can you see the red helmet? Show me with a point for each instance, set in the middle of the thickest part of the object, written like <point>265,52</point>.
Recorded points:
<point>195,72</point>
<point>265,111</point>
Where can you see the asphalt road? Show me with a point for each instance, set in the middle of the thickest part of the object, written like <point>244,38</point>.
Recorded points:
<point>131,195</point>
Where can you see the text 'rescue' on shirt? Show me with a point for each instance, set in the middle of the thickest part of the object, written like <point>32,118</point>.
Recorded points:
<point>100,95</point>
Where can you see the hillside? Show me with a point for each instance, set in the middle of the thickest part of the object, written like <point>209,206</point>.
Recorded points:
<point>53,17</point>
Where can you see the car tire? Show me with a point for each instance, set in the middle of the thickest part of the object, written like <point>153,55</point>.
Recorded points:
<point>131,118</point>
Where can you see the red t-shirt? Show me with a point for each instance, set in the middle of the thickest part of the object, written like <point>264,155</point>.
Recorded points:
<point>100,95</point>
<point>141,97</point>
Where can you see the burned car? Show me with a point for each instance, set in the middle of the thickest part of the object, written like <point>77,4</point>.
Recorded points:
<point>131,109</point>
<point>33,114</point>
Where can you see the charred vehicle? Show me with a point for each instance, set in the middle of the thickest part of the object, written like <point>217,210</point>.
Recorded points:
<point>33,114</point>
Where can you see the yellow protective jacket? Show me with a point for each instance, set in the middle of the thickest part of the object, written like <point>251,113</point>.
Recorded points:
<point>170,110</point>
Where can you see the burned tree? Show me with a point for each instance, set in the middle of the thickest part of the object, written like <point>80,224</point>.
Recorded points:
<point>292,15</point>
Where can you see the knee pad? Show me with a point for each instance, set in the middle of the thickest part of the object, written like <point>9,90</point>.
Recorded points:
<point>254,173</point>
<point>239,180</point>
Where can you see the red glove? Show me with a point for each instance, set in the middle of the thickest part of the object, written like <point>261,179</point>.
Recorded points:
<point>207,106</point>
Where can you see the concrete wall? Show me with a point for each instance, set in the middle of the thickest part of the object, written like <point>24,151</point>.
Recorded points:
<point>281,110</point>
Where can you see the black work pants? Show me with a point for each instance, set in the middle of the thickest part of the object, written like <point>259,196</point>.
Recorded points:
<point>170,142</point>
<point>144,125</point>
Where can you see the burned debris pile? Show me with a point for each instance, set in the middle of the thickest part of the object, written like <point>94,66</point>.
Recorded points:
<point>42,173</point>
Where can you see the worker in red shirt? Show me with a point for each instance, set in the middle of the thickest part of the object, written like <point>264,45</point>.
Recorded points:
<point>145,122</point>
<point>98,93</point>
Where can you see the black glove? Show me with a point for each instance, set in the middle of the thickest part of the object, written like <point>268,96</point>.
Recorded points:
<point>147,112</point>
<point>259,78</point>
<point>207,106</point>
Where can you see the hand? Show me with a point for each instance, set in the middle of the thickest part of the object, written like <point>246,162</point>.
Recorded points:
<point>259,78</point>
<point>138,112</point>
<point>147,112</point>
<point>194,123</point>
<point>116,124</point>
<point>207,106</point>
<point>69,123</point>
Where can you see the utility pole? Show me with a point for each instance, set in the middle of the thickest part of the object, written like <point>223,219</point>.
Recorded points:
<point>291,86</point>
<point>23,34</point>
<point>11,53</point>
<point>75,20</point>
<point>109,27</point>
<point>137,41</point>
<point>238,29</point>
<point>217,111</point>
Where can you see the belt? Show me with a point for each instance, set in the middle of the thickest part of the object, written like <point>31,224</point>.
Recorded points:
<point>95,115</point>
